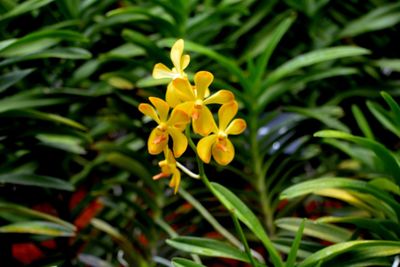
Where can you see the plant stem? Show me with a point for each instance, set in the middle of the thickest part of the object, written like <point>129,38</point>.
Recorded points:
<point>217,226</point>
<point>243,238</point>
<point>204,212</point>
<point>260,174</point>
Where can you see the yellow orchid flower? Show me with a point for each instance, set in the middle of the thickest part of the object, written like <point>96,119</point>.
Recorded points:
<point>217,144</point>
<point>180,62</point>
<point>168,167</point>
<point>172,126</point>
<point>195,100</point>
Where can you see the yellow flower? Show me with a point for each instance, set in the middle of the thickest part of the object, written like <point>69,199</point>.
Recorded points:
<point>172,126</point>
<point>168,167</point>
<point>195,100</point>
<point>217,144</point>
<point>180,62</point>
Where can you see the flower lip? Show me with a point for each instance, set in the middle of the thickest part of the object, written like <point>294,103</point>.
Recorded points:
<point>221,135</point>
<point>198,103</point>
<point>162,126</point>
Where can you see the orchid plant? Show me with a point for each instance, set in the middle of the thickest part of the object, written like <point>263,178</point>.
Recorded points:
<point>189,105</point>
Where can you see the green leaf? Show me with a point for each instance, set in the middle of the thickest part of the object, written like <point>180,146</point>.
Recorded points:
<point>383,117</point>
<point>291,259</point>
<point>394,107</point>
<point>61,141</point>
<point>45,116</point>
<point>29,213</point>
<point>12,78</point>
<point>270,45</point>
<point>133,258</point>
<point>387,162</point>
<point>134,167</point>
<point>312,58</point>
<point>35,180</point>
<point>144,42</point>
<point>244,214</point>
<point>37,228</point>
<point>362,122</point>
<point>337,249</point>
<point>207,247</point>
<point>225,62</point>
<point>13,103</point>
<point>181,262</point>
<point>24,7</point>
<point>39,41</point>
<point>316,185</point>
<point>73,53</point>
<point>324,114</point>
<point>316,229</point>
<point>388,64</point>
<point>379,18</point>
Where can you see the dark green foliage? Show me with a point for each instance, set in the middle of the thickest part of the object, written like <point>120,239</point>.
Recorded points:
<point>74,164</point>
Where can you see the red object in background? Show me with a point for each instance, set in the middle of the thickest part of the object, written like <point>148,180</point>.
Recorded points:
<point>26,253</point>
<point>77,197</point>
<point>88,213</point>
<point>46,208</point>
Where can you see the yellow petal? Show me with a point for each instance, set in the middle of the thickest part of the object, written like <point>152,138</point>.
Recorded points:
<point>179,142</point>
<point>161,71</point>
<point>204,147</point>
<point>203,123</point>
<point>184,89</point>
<point>157,141</point>
<point>175,180</point>
<point>223,151</point>
<point>169,156</point>
<point>186,107</point>
<point>226,113</point>
<point>220,97</point>
<point>176,54</point>
<point>172,96</point>
<point>148,110</point>
<point>161,106</point>
<point>178,119</point>
<point>202,80</point>
<point>237,126</point>
<point>185,61</point>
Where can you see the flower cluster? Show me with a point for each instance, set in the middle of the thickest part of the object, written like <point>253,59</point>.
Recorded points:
<point>186,103</point>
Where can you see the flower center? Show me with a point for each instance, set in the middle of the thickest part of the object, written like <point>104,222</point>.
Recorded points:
<point>162,127</point>
<point>198,104</point>
<point>221,135</point>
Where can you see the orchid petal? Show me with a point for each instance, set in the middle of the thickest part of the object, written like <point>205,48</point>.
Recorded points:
<point>175,180</point>
<point>202,80</point>
<point>161,71</point>
<point>226,113</point>
<point>178,119</point>
<point>237,126</point>
<point>223,151</point>
<point>204,147</point>
<point>148,110</point>
<point>184,88</point>
<point>179,142</point>
<point>220,97</point>
<point>176,54</point>
<point>157,141</point>
<point>186,107</point>
<point>172,96</point>
<point>161,106</point>
<point>203,123</point>
<point>185,60</point>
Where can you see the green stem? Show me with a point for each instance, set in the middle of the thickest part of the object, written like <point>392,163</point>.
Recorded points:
<point>204,212</point>
<point>260,175</point>
<point>243,238</point>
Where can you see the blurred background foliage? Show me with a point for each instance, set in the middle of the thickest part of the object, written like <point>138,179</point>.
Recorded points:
<point>75,176</point>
